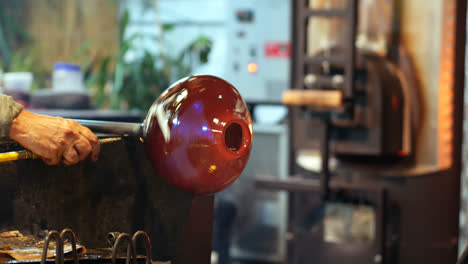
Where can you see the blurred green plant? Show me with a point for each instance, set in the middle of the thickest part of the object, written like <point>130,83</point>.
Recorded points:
<point>16,55</point>
<point>120,82</point>
<point>13,34</point>
<point>24,60</point>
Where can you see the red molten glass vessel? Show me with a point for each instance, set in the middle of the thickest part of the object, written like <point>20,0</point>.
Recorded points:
<point>199,134</point>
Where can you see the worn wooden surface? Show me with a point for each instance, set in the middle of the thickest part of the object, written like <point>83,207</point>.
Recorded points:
<point>121,192</point>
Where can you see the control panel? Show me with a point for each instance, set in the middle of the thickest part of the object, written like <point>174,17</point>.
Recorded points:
<point>259,48</point>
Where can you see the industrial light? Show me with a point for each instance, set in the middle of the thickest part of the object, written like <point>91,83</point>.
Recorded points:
<point>252,67</point>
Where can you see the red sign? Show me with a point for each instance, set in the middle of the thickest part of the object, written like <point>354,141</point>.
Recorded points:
<point>277,49</point>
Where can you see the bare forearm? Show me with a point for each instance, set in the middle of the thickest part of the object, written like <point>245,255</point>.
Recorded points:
<point>9,109</point>
<point>53,138</point>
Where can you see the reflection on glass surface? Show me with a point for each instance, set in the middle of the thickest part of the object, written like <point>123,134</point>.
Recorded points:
<point>185,143</point>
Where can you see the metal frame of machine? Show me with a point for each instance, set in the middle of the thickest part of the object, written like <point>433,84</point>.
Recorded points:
<point>400,215</point>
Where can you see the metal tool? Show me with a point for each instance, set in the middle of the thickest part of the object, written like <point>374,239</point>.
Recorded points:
<point>111,237</point>
<point>60,245</point>
<point>26,154</point>
<point>146,241</point>
<point>131,256</point>
<point>58,248</point>
<point>200,117</point>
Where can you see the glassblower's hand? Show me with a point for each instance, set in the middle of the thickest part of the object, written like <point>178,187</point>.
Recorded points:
<point>54,139</point>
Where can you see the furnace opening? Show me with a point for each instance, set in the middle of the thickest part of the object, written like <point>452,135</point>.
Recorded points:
<point>233,137</point>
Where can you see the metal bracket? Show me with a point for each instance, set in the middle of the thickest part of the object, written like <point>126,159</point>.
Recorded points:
<point>59,248</point>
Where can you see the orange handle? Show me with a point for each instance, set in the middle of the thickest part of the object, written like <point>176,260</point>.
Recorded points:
<point>312,98</point>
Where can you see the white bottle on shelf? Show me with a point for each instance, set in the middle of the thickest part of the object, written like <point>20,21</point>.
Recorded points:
<point>67,78</point>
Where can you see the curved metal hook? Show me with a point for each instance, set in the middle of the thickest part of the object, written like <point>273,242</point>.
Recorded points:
<point>58,249</point>
<point>68,233</point>
<point>130,250</point>
<point>147,243</point>
<point>111,237</point>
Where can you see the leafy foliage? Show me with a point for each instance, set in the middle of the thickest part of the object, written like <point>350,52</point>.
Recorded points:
<point>117,81</point>
<point>15,54</point>
<point>12,33</point>
<point>133,84</point>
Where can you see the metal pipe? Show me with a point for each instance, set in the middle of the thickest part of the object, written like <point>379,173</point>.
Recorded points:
<point>63,236</point>
<point>58,247</point>
<point>122,238</point>
<point>147,243</point>
<point>118,128</point>
<point>350,48</point>
<point>26,154</point>
<point>111,237</point>
<point>325,155</point>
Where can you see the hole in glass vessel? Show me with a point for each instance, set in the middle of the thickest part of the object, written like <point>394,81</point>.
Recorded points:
<point>233,137</point>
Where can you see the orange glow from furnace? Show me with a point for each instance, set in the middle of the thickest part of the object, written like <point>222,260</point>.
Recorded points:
<point>252,67</point>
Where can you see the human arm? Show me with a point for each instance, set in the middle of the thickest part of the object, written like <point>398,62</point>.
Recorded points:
<point>53,138</point>
<point>9,109</point>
